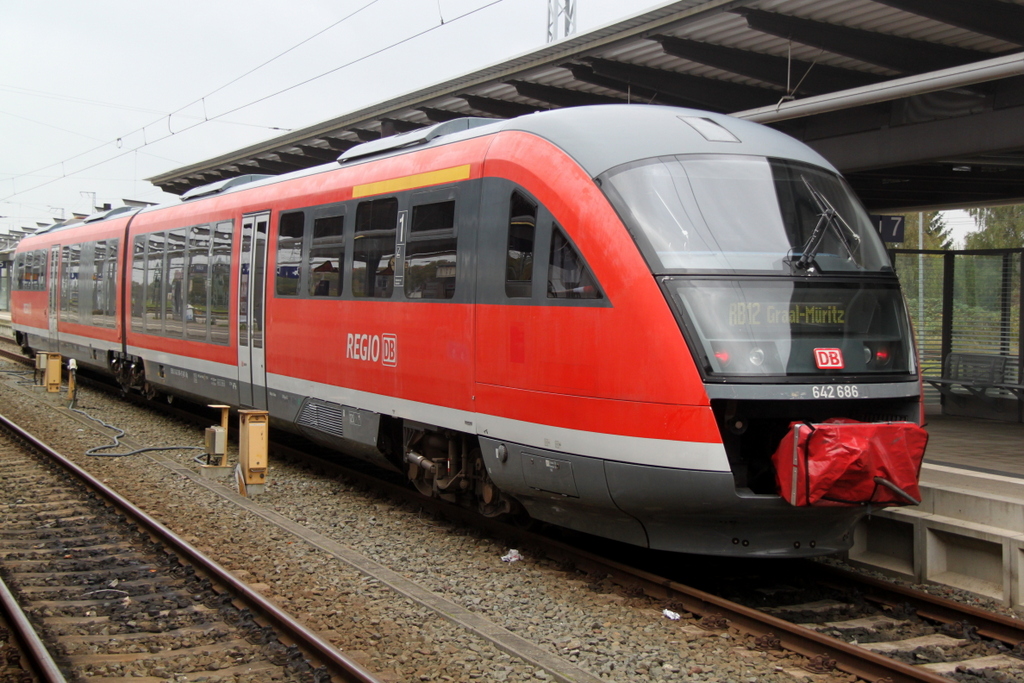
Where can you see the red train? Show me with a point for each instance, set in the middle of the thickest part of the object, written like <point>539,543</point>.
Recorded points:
<point>607,316</point>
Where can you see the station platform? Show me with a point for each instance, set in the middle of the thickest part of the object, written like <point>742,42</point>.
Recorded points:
<point>968,531</point>
<point>978,445</point>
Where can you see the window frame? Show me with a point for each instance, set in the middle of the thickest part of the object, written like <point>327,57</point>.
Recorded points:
<point>398,245</point>
<point>303,250</point>
<point>318,213</point>
<point>426,197</point>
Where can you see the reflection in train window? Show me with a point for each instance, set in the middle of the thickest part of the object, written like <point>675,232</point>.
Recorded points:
<point>522,224</point>
<point>174,290</point>
<point>373,254</point>
<point>327,256</point>
<point>568,275</point>
<point>197,292</point>
<point>430,258</point>
<point>154,312</point>
<point>65,286</point>
<point>104,283</point>
<point>29,269</point>
<point>70,262</point>
<point>138,295</point>
<point>220,283</point>
<point>289,253</point>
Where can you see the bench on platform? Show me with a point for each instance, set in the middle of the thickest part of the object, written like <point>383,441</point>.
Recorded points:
<point>975,374</point>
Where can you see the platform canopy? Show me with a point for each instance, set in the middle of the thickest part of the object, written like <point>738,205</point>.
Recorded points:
<point>919,102</point>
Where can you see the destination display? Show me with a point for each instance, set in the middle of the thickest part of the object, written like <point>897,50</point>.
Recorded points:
<point>781,313</point>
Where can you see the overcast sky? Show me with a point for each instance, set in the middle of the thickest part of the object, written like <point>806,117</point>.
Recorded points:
<point>96,96</point>
<point>86,88</point>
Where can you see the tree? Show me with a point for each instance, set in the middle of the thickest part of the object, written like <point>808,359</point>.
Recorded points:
<point>1001,227</point>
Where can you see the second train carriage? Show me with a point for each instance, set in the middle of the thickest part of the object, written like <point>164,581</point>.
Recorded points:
<point>607,315</point>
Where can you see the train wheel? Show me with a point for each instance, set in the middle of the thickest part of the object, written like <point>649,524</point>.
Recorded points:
<point>490,501</point>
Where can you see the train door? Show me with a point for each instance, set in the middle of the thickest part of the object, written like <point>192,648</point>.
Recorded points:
<point>52,284</point>
<point>252,366</point>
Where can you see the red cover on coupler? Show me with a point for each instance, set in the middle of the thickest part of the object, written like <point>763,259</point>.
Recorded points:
<point>845,462</point>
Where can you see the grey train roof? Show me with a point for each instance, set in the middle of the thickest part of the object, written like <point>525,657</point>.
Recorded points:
<point>602,137</point>
<point>598,138</point>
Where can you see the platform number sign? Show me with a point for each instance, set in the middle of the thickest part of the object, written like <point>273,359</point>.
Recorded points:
<point>891,228</point>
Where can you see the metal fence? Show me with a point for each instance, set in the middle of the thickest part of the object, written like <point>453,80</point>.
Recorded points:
<point>965,301</point>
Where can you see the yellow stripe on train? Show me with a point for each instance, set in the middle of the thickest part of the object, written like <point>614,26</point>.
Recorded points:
<point>411,182</point>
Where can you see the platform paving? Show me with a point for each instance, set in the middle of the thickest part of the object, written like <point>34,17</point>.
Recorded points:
<point>978,445</point>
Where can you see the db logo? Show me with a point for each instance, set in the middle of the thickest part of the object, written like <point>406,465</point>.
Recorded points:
<point>389,349</point>
<point>828,359</point>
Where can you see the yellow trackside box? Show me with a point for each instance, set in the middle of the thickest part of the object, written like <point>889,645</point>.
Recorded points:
<point>253,437</point>
<point>53,372</point>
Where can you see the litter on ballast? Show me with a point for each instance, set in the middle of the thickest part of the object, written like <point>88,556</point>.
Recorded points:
<point>674,616</point>
<point>512,556</point>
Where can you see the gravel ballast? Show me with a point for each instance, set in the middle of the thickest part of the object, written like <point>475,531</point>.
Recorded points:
<point>583,620</point>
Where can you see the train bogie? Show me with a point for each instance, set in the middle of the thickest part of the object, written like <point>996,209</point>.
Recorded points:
<point>610,331</point>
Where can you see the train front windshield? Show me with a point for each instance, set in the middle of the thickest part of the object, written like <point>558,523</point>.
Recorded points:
<point>773,265</point>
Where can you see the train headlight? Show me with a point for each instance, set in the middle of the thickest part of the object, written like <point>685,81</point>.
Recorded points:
<point>723,357</point>
<point>756,356</point>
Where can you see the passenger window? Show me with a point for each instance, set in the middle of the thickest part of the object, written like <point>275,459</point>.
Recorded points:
<point>430,257</point>
<point>25,271</point>
<point>138,282</point>
<point>220,283</point>
<point>39,277</point>
<point>197,303</point>
<point>373,256</point>
<point>18,277</point>
<point>522,224</point>
<point>65,285</point>
<point>289,253</point>
<point>568,275</point>
<point>37,273</point>
<point>327,256</point>
<point>154,283</point>
<point>100,285</point>
<point>174,308</point>
<point>110,282</point>
<point>74,265</point>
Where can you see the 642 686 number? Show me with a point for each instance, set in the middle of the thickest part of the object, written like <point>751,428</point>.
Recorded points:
<point>835,391</point>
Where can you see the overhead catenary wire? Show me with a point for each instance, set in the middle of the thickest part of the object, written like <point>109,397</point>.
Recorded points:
<point>142,130</point>
<point>147,142</point>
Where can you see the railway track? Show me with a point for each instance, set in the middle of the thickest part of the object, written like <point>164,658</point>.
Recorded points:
<point>114,594</point>
<point>968,641</point>
<point>833,634</point>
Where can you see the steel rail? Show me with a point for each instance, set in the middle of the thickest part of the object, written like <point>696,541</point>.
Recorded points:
<point>40,661</point>
<point>312,645</point>
<point>849,658</point>
<point>988,624</point>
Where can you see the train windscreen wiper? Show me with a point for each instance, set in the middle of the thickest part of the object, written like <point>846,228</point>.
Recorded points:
<point>828,217</point>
